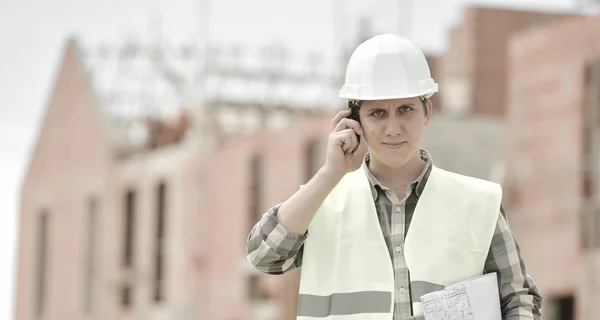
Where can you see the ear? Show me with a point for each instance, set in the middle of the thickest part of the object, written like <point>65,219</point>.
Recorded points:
<point>429,107</point>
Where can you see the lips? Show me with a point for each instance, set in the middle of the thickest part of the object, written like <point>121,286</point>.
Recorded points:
<point>394,145</point>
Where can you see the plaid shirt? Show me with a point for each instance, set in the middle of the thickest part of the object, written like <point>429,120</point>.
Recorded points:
<point>274,250</point>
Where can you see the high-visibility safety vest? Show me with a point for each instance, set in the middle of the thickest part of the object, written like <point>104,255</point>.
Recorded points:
<point>346,267</point>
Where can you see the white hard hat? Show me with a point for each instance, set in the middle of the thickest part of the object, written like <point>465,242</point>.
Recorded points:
<point>387,67</point>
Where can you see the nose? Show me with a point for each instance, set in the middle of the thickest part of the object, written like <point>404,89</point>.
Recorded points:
<point>393,127</point>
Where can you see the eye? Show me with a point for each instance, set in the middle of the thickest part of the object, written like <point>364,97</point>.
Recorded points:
<point>405,109</point>
<point>378,113</point>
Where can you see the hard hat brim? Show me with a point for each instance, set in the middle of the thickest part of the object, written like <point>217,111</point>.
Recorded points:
<point>360,92</point>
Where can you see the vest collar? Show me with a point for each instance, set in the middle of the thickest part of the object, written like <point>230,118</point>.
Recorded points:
<point>418,185</point>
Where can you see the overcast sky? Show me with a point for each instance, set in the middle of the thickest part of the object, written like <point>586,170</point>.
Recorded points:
<point>32,35</point>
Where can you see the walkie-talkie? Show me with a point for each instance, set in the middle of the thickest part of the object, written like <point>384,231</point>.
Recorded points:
<point>354,106</point>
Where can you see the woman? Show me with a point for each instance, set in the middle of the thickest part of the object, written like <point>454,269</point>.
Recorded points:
<point>373,234</point>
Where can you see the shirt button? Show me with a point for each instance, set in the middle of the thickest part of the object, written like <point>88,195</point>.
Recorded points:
<point>398,209</point>
<point>398,249</point>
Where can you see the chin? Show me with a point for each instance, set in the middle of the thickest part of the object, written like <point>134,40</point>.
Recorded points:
<point>394,158</point>
<point>396,163</point>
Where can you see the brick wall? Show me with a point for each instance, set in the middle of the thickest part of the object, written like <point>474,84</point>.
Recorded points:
<point>474,70</point>
<point>68,168</point>
<point>284,160</point>
<point>545,103</point>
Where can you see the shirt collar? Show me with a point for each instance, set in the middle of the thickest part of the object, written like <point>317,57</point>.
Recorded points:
<point>419,182</point>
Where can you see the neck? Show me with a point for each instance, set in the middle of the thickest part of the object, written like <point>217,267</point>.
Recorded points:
<point>399,176</point>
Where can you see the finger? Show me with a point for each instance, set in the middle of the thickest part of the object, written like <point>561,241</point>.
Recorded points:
<point>347,123</point>
<point>356,146</point>
<point>347,146</point>
<point>354,141</point>
<point>342,139</point>
<point>346,139</point>
<point>339,116</point>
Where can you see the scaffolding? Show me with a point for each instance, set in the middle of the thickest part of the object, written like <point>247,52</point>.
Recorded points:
<point>224,90</point>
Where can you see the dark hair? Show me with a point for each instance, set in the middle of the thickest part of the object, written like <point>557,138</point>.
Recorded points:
<point>424,103</point>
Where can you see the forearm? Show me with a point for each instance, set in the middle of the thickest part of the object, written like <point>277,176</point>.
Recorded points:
<point>296,213</point>
<point>516,316</point>
<point>519,295</point>
<point>272,249</point>
<point>519,308</point>
<point>524,301</point>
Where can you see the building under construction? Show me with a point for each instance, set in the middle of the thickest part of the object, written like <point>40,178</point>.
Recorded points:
<point>153,163</point>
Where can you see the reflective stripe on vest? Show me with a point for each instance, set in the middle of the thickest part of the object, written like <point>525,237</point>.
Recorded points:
<point>346,268</point>
<point>344,303</point>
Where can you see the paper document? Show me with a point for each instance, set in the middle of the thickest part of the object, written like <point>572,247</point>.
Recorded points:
<point>473,299</point>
